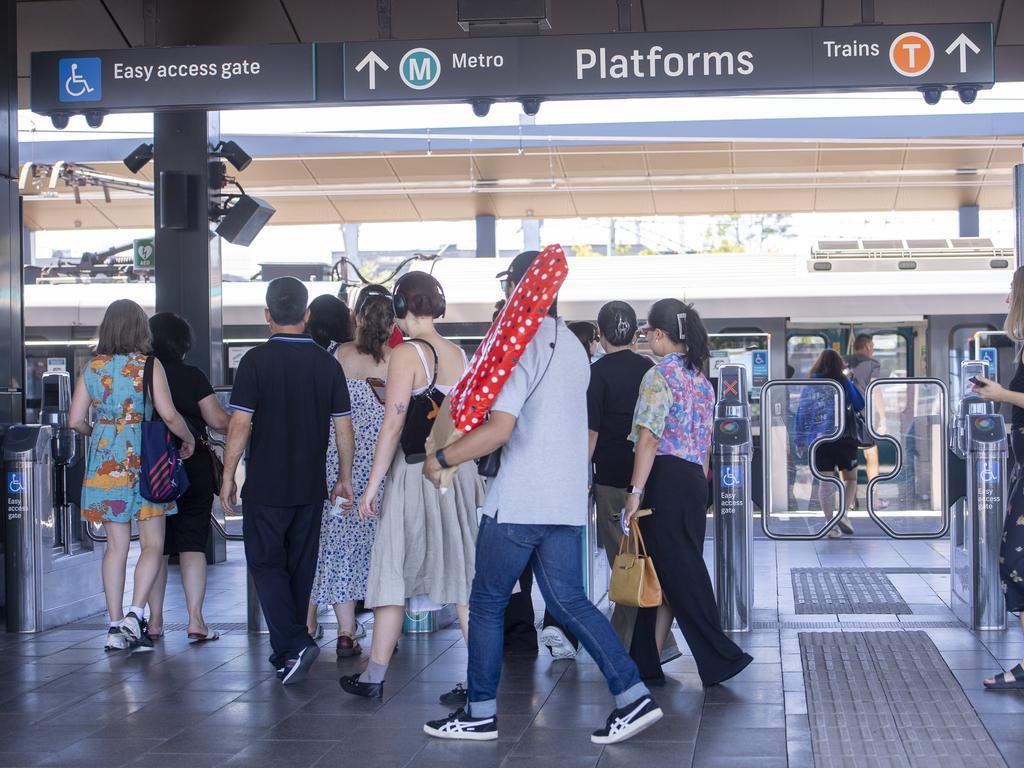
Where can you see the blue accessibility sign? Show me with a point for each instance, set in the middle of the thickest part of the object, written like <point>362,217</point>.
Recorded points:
<point>81,79</point>
<point>15,483</point>
<point>732,475</point>
<point>988,472</point>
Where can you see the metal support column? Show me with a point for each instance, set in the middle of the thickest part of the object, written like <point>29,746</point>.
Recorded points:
<point>486,236</point>
<point>531,234</point>
<point>188,266</point>
<point>1018,212</point>
<point>12,348</point>
<point>970,225</point>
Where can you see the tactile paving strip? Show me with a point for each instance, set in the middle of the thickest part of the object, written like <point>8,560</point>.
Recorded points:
<point>845,590</point>
<point>888,700</point>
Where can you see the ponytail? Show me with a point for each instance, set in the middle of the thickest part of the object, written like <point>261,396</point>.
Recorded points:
<point>682,324</point>
<point>376,320</point>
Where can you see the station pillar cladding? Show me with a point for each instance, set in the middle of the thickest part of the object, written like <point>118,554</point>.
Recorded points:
<point>188,264</point>
<point>12,351</point>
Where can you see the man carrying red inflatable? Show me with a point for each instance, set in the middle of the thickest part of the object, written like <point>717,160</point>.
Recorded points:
<point>535,506</point>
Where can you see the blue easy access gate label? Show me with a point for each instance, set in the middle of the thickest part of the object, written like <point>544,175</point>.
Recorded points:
<point>81,79</point>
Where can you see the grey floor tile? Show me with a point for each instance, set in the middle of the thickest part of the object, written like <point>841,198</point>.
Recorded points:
<point>317,727</point>
<point>149,760</point>
<point>556,742</point>
<point>717,716</point>
<point>209,739</point>
<point>740,742</point>
<point>445,754</point>
<point>649,755</point>
<point>283,754</point>
<point>531,761</point>
<point>95,752</point>
<point>45,738</point>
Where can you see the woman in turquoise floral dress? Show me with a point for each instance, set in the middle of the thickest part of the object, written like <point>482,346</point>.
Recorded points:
<point>111,386</point>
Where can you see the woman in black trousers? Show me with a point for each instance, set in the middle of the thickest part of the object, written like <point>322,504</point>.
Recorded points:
<point>672,432</point>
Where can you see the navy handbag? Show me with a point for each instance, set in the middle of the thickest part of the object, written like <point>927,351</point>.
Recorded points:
<point>162,477</point>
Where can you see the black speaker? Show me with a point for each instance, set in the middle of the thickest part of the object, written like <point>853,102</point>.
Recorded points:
<point>245,219</point>
<point>173,200</point>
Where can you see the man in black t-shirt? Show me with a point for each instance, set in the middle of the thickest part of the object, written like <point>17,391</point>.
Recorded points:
<point>286,392</point>
<point>611,399</point>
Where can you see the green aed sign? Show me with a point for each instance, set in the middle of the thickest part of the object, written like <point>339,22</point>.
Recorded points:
<point>144,253</point>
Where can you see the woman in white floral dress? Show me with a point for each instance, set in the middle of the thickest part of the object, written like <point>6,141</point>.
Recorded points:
<point>346,540</point>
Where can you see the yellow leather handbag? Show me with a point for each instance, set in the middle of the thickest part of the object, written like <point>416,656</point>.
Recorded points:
<point>634,581</point>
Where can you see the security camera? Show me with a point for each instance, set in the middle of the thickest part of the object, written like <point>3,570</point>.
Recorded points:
<point>967,93</point>
<point>932,95</point>
<point>60,120</point>
<point>138,157</point>
<point>530,106</point>
<point>233,153</point>
<point>94,118</point>
<point>482,106</point>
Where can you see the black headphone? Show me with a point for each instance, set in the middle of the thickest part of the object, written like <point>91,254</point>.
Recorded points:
<point>401,304</point>
<point>370,292</point>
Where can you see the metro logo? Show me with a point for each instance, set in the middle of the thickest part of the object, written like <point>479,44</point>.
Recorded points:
<point>911,54</point>
<point>420,68</point>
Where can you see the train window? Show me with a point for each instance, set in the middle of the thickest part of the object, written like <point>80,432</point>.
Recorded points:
<point>802,351</point>
<point>892,354</point>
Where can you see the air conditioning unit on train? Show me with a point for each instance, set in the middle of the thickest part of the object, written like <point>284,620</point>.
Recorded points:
<point>965,253</point>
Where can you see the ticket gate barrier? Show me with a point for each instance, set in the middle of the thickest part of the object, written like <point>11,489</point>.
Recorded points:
<point>978,439</point>
<point>733,508</point>
<point>52,574</point>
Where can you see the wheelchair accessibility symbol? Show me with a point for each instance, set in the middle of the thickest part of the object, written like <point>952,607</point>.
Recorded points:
<point>81,79</point>
<point>15,483</point>
<point>732,476</point>
<point>988,472</point>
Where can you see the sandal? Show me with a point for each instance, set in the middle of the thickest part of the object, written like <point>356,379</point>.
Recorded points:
<point>199,637</point>
<point>1001,684</point>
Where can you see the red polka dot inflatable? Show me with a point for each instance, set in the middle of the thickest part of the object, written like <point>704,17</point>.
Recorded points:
<point>514,328</point>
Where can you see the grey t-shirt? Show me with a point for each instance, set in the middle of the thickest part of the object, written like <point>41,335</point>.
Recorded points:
<point>543,475</point>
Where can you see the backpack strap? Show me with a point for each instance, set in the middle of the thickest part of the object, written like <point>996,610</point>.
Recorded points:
<point>147,387</point>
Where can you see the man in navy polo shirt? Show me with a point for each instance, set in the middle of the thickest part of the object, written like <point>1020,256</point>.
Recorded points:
<point>286,392</point>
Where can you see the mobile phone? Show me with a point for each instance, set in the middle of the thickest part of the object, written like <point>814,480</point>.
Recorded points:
<point>623,523</point>
<point>974,380</point>
<point>378,387</point>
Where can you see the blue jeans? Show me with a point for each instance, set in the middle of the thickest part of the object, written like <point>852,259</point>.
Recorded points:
<point>502,552</point>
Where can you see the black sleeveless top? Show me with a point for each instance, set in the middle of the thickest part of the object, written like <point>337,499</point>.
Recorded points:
<point>1017,385</point>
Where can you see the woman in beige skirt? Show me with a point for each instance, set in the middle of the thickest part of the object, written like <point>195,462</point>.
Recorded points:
<point>426,539</point>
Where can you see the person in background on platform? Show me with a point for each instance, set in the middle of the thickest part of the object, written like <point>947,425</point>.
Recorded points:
<point>586,332</point>
<point>346,540</point>
<point>863,370</point>
<point>424,548</point>
<point>112,385</point>
<point>672,427</point>
<point>611,399</point>
<point>329,325</point>
<point>188,532</point>
<point>814,418</point>
<point>533,513</point>
<point>286,393</point>
<point>1011,559</point>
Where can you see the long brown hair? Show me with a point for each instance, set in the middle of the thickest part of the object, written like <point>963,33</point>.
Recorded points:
<point>376,320</point>
<point>1014,325</point>
<point>124,330</point>
<point>829,365</point>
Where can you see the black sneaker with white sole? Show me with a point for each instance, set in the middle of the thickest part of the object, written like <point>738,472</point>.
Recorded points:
<point>459,725</point>
<point>456,697</point>
<point>296,669</point>
<point>626,722</point>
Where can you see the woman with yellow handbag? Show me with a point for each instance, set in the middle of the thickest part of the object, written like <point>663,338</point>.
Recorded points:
<point>672,433</point>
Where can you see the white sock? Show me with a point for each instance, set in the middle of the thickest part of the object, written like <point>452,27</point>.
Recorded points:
<point>140,612</point>
<point>116,624</point>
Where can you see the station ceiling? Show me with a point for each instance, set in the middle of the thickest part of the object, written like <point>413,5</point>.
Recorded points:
<point>110,24</point>
<point>621,180</point>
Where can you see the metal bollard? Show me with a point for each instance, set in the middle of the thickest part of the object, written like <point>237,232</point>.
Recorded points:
<point>734,519</point>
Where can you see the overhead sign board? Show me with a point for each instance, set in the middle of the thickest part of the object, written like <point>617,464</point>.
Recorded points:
<point>653,63</point>
<point>143,79</point>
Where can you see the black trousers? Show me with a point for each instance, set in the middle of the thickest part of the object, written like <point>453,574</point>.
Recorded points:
<point>677,491</point>
<point>281,547</point>
<point>520,630</point>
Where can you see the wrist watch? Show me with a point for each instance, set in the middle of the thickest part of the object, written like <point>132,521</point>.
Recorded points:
<point>635,490</point>
<point>440,459</point>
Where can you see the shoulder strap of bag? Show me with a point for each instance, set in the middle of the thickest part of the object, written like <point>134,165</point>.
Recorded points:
<point>147,386</point>
<point>433,381</point>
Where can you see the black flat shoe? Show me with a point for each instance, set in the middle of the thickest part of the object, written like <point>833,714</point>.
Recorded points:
<point>351,684</point>
<point>745,661</point>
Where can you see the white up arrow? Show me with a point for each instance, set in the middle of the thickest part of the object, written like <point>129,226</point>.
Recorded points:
<point>372,60</point>
<point>963,43</point>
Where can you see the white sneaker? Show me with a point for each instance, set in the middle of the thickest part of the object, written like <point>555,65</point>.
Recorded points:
<point>845,525</point>
<point>835,533</point>
<point>558,643</point>
<point>360,632</point>
<point>131,628</point>
<point>116,641</point>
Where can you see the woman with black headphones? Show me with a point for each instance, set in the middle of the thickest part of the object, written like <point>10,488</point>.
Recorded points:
<point>426,539</point>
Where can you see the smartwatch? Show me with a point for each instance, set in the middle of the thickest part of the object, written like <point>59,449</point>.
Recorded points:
<point>636,490</point>
<point>440,459</point>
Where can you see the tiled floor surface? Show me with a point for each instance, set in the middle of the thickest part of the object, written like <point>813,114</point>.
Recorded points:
<point>63,701</point>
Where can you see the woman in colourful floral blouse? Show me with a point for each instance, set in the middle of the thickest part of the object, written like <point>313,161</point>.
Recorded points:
<point>112,387</point>
<point>672,433</point>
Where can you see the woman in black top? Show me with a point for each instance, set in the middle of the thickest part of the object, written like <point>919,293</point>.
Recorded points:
<point>1011,560</point>
<point>189,530</point>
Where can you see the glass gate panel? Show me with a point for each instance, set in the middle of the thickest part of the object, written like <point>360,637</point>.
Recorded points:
<point>907,499</point>
<point>800,420</point>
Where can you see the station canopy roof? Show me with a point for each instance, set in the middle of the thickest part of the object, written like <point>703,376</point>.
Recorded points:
<point>735,166</point>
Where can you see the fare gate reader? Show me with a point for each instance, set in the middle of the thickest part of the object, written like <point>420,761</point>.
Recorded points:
<point>734,532</point>
<point>979,439</point>
<point>52,572</point>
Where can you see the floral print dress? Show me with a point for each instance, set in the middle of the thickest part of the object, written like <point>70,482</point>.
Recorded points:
<point>346,542</point>
<point>111,489</point>
<point>676,404</point>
